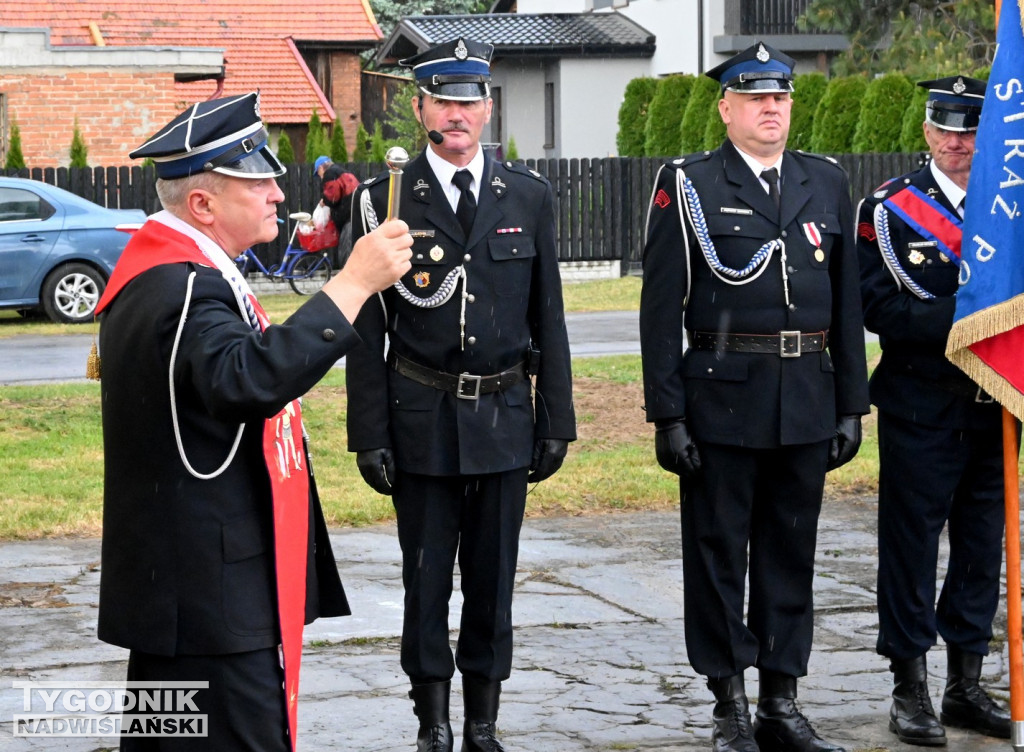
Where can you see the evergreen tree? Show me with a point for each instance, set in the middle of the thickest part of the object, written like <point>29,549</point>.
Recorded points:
<point>808,89</point>
<point>911,130</point>
<point>388,12</point>
<point>714,131</point>
<point>15,159</point>
<point>378,150</point>
<point>79,151</point>
<point>285,152</point>
<point>916,37</point>
<point>881,114</point>
<point>361,153</point>
<point>664,115</point>
<point>317,143</point>
<point>836,118</point>
<point>512,153</point>
<point>339,152</point>
<point>703,95</point>
<point>633,116</point>
<point>401,116</point>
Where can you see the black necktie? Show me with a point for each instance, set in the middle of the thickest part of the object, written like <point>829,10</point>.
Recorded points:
<point>466,208</point>
<point>771,177</point>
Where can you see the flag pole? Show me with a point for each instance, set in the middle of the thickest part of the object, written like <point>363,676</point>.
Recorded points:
<point>1013,579</point>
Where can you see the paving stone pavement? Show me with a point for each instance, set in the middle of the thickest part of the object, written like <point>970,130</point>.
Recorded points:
<point>600,663</point>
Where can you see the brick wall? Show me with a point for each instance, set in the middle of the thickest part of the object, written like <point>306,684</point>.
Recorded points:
<point>345,94</point>
<point>116,112</point>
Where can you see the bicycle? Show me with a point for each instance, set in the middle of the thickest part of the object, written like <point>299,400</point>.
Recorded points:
<point>307,270</point>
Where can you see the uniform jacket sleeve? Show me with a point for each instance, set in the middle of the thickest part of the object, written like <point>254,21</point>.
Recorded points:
<point>662,301</point>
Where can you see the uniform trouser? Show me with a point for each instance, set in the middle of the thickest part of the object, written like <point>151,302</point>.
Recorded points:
<point>477,517</point>
<point>769,498</point>
<point>930,477</point>
<point>244,705</point>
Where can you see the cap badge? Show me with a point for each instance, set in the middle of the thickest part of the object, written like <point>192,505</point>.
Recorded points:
<point>436,253</point>
<point>762,54</point>
<point>461,53</point>
<point>422,279</point>
<point>256,106</point>
<point>959,87</point>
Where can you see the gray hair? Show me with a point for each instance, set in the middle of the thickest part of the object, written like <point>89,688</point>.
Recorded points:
<point>172,193</point>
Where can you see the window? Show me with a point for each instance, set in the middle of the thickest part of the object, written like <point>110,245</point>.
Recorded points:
<point>17,205</point>
<point>549,116</point>
<point>496,110</point>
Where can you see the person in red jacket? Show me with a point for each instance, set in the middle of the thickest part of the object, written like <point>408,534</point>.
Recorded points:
<point>215,551</point>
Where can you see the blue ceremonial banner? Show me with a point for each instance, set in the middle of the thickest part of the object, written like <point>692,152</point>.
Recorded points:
<point>987,338</point>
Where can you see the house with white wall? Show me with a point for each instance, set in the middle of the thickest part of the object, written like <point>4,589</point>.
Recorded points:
<point>561,67</point>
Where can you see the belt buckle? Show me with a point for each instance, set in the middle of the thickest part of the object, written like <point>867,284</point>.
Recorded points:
<point>474,381</point>
<point>983,398</point>
<point>787,352</point>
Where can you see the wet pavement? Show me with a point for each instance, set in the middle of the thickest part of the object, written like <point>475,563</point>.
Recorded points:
<point>599,663</point>
<point>29,359</point>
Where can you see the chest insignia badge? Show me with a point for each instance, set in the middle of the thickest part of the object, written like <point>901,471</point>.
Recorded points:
<point>436,254</point>
<point>915,257</point>
<point>422,279</point>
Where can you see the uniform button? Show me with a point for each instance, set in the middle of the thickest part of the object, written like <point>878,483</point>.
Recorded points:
<point>419,256</point>
<point>736,228</point>
<point>471,340</point>
<point>783,233</point>
<point>792,306</point>
<point>471,298</point>
<point>791,270</point>
<point>824,226</point>
<point>328,335</point>
<point>467,258</point>
<point>515,251</point>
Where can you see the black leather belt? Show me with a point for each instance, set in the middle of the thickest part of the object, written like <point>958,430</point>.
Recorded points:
<point>463,385</point>
<point>783,344</point>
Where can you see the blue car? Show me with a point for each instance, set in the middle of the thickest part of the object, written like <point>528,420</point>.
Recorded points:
<point>57,250</point>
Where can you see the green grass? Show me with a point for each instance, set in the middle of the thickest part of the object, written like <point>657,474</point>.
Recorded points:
<point>51,459</point>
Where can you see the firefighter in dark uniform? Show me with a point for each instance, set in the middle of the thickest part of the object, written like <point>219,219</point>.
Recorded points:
<point>215,550</point>
<point>446,421</point>
<point>939,437</point>
<point>761,271</point>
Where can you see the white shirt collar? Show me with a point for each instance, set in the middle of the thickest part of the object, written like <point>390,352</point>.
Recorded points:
<point>445,170</point>
<point>954,193</point>
<point>757,167</point>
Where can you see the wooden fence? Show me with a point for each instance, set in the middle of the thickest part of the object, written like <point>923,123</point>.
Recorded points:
<point>601,204</point>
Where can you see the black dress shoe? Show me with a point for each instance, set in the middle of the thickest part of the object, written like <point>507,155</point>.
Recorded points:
<point>781,727</point>
<point>912,717</point>
<point>479,736</point>
<point>965,704</point>
<point>482,698</point>
<point>430,703</point>
<point>731,730</point>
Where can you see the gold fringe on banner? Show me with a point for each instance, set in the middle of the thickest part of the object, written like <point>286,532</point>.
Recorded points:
<point>982,325</point>
<point>92,363</point>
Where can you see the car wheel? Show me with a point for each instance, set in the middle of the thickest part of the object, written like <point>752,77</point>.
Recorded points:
<point>71,292</point>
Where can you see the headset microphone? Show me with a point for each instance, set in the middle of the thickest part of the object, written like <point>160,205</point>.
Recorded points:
<point>436,137</point>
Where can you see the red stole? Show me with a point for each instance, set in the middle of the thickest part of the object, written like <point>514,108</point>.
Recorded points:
<point>283,452</point>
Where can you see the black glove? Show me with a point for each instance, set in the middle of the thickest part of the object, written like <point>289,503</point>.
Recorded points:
<point>675,449</point>
<point>547,458</point>
<point>377,466</point>
<point>845,443</point>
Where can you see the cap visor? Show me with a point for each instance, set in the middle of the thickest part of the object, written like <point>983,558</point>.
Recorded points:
<point>761,86</point>
<point>951,120</point>
<point>262,163</point>
<point>463,92</point>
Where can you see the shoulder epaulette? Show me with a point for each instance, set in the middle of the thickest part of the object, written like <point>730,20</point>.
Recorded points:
<point>891,186</point>
<point>689,159</point>
<point>376,179</point>
<point>522,169</point>
<point>822,157</point>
